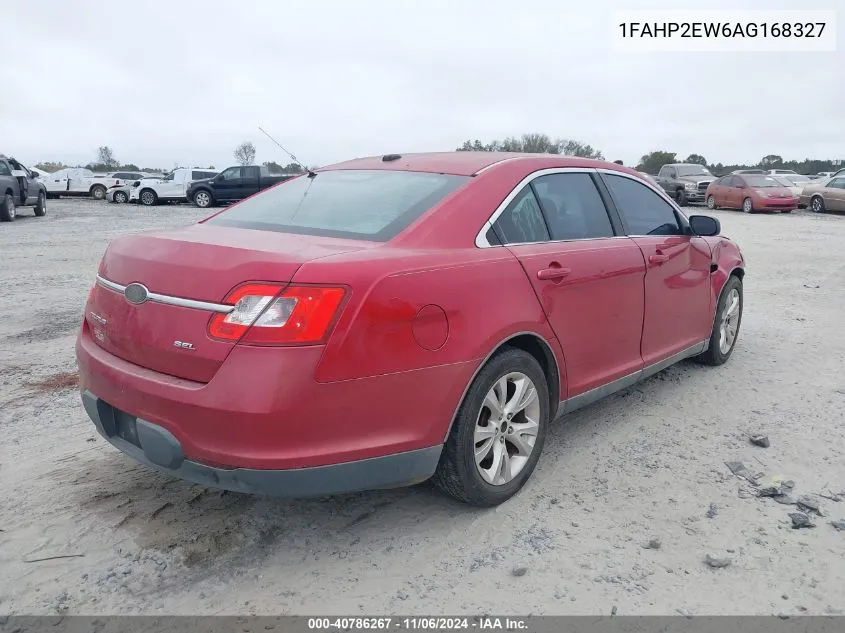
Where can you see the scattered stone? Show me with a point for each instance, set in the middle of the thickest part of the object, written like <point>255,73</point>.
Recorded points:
<point>717,562</point>
<point>402,595</point>
<point>574,524</point>
<point>783,616</point>
<point>800,520</point>
<point>831,497</point>
<point>785,597</point>
<point>770,491</point>
<point>730,551</point>
<point>812,286</point>
<point>760,440</point>
<point>711,511</point>
<point>555,501</point>
<point>653,544</point>
<point>787,500</point>
<point>839,525</point>
<point>687,614</point>
<point>613,611</point>
<point>809,504</point>
<point>801,608</point>
<point>739,469</point>
<point>519,571</point>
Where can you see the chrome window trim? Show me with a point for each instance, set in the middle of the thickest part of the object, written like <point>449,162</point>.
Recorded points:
<point>169,300</point>
<point>658,190</point>
<point>499,162</point>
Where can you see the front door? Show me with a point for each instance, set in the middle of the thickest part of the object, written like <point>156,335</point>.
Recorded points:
<point>677,281</point>
<point>173,186</point>
<point>589,284</point>
<point>834,194</point>
<point>228,184</point>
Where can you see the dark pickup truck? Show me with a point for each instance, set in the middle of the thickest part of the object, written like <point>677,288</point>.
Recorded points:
<point>19,187</point>
<point>685,182</point>
<point>233,184</point>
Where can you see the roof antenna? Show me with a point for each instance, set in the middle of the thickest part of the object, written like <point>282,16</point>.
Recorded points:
<point>311,173</point>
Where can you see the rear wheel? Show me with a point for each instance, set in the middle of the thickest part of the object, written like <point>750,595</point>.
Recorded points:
<point>7,211</point>
<point>498,434</point>
<point>148,197</point>
<point>98,192</point>
<point>711,203</point>
<point>726,324</point>
<point>747,206</point>
<point>41,205</point>
<point>817,204</point>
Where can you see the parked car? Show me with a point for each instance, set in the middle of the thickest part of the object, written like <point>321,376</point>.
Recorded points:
<point>20,188</point>
<point>171,188</point>
<point>828,195</point>
<point>648,177</point>
<point>823,175</point>
<point>748,171</point>
<point>40,173</point>
<point>233,184</point>
<point>750,192</point>
<point>335,332</point>
<point>685,182</point>
<point>782,172</point>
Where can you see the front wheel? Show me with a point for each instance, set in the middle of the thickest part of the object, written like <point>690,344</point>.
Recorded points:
<point>817,204</point>
<point>726,324</point>
<point>148,197</point>
<point>41,205</point>
<point>120,197</point>
<point>747,206</point>
<point>711,203</point>
<point>498,434</point>
<point>681,197</point>
<point>7,211</point>
<point>203,199</point>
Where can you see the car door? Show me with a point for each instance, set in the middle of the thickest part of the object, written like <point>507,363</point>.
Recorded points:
<point>677,281</point>
<point>588,281</point>
<point>733,192</point>
<point>173,186</point>
<point>834,194</point>
<point>228,183</point>
<point>249,183</point>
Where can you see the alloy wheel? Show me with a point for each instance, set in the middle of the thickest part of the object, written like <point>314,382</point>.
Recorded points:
<point>506,428</point>
<point>729,323</point>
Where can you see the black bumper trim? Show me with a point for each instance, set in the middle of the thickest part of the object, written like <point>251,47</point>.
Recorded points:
<point>159,449</point>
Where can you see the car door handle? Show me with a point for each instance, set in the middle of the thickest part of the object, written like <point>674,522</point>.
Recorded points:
<point>657,259</point>
<point>553,272</point>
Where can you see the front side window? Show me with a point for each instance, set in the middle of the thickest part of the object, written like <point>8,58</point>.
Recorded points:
<point>643,211</point>
<point>573,207</point>
<point>522,221</point>
<point>233,173</point>
<point>4,169</point>
<point>374,204</point>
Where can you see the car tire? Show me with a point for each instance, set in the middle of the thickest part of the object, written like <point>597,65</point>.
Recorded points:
<point>7,211</point>
<point>711,203</point>
<point>120,197</point>
<point>458,473</point>
<point>681,197</point>
<point>203,199</point>
<point>726,324</point>
<point>817,204</point>
<point>148,198</point>
<point>41,205</point>
<point>747,206</point>
<point>98,192</point>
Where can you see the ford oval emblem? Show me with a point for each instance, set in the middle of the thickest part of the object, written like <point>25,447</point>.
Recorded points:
<point>136,293</point>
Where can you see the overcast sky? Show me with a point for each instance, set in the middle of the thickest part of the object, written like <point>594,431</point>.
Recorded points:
<point>184,81</point>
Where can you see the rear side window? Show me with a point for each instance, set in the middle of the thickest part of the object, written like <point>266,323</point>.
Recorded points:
<point>360,204</point>
<point>573,207</point>
<point>522,221</point>
<point>643,211</point>
<point>202,175</point>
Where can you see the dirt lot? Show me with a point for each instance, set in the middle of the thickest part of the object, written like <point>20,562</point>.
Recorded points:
<point>644,464</point>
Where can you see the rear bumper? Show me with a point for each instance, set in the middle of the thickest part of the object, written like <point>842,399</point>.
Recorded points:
<point>157,448</point>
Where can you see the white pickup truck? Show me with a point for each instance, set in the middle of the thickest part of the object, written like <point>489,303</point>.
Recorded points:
<point>78,181</point>
<point>172,188</point>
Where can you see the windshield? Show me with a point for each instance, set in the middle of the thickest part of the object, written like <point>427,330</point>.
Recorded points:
<point>762,182</point>
<point>374,205</point>
<point>784,181</point>
<point>693,170</point>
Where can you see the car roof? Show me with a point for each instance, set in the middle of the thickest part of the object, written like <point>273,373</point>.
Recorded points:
<point>458,163</point>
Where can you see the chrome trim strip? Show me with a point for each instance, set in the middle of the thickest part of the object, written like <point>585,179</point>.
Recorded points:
<point>658,190</point>
<point>589,397</point>
<point>504,160</point>
<point>168,300</point>
<point>481,365</point>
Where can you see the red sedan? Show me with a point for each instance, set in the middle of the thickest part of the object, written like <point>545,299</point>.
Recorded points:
<point>387,320</point>
<point>750,192</point>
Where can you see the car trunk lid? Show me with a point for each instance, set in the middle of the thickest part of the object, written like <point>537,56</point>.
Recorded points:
<point>188,272</point>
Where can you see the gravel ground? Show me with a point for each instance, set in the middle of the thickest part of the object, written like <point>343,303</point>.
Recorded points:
<point>630,497</point>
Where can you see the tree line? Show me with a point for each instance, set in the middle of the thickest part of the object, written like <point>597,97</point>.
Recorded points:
<point>649,163</point>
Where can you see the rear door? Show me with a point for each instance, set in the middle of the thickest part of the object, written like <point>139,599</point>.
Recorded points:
<point>677,281</point>
<point>588,281</point>
<point>249,182</point>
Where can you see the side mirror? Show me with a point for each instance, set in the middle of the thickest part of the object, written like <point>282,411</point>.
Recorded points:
<point>704,225</point>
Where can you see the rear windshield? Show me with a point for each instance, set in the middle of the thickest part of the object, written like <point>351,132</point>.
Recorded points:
<point>359,204</point>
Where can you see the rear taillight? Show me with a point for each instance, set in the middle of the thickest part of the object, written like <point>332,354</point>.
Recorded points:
<point>271,314</point>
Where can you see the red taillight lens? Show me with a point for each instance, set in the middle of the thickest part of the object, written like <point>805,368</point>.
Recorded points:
<point>269,314</point>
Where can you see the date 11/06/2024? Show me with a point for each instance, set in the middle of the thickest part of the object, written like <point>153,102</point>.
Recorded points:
<point>416,623</point>
<point>722,29</point>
